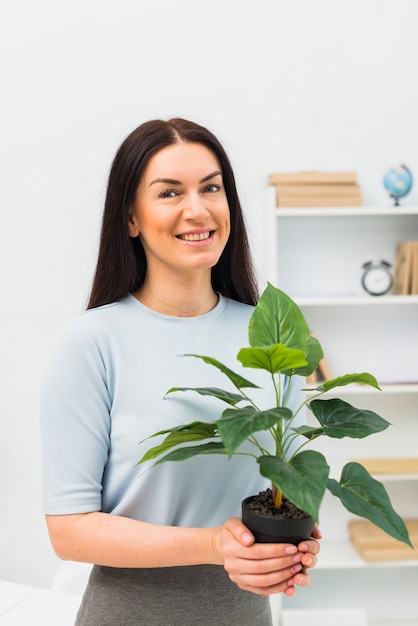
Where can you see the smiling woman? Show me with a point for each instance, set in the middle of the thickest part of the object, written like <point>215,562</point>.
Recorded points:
<point>181,216</point>
<point>122,263</point>
<point>174,275</point>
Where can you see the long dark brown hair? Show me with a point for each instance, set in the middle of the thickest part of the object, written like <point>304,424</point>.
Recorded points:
<point>121,264</point>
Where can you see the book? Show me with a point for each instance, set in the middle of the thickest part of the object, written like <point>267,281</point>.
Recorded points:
<point>319,190</point>
<point>402,271</point>
<point>390,466</point>
<point>310,178</point>
<point>375,545</point>
<point>414,269</point>
<point>318,201</point>
<point>321,374</point>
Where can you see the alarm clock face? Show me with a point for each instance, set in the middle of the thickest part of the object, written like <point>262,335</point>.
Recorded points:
<point>377,278</point>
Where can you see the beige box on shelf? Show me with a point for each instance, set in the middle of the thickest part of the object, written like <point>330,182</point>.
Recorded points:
<point>375,545</point>
<point>390,466</point>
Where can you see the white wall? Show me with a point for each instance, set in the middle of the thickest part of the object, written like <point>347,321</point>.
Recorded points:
<point>329,84</point>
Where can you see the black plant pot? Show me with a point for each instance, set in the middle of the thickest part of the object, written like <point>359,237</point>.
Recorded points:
<point>276,529</point>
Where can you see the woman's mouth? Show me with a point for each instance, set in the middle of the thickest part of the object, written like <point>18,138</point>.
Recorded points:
<point>195,236</point>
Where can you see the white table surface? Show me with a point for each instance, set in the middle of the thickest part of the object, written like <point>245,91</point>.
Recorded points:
<point>23,605</point>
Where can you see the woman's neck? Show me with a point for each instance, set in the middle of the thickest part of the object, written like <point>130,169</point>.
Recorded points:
<point>177,299</point>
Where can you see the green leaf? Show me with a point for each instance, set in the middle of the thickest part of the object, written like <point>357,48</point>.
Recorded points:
<point>303,480</point>
<point>313,355</point>
<point>195,431</point>
<point>274,358</point>
<point>238,424</point>
<point>310,432</point>
<point>339,419</point>
<point>186,427</point>
<point>220,394</point>
<point>183,454</point>
<point>362,495</point>
<point>364,378</point>
<point>235,378</point>
<point>278,319</point>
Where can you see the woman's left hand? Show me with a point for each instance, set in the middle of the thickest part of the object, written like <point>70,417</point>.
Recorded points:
<point>309,550</point>
<point>264,569</point>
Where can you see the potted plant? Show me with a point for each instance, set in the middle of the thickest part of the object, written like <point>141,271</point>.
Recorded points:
<point>282,345</point>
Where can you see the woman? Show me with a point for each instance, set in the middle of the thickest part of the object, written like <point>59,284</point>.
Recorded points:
<point>173,277</point>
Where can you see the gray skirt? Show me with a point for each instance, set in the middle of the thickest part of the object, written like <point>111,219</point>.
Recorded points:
<point>199,595</point>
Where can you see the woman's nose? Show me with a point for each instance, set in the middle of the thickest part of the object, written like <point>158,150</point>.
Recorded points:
<point>195,208</point>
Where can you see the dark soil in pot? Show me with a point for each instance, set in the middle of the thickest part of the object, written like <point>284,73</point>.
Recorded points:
<point>269,524</point>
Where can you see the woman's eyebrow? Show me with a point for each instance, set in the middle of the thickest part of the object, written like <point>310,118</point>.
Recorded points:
<point>209,176</point>
<point>168,181</point>
<point>172,181</point>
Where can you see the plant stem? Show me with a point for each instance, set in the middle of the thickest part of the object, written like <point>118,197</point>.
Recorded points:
<point>252,439</point>
<point>277,389</point>
<point>277,497</point>
<point>245,397</point>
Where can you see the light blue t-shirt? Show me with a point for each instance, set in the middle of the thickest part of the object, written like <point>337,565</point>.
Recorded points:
<point>103,394</point>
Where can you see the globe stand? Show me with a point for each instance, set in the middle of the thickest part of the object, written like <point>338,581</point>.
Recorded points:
<point>398,182</point>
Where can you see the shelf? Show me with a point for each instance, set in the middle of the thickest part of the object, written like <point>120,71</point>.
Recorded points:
<point>391,469</point>
<point>358,211</point>
<point>316,255</point>
<point>337,464</point>
<point>342,555</point>
<point>401,622</point>
<point>387,466</point>
<point>356,300</point>
<point>356,389</point>
<point>392,478</point>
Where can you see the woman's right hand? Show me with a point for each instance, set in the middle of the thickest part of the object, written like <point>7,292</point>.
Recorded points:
<point>267,568</point>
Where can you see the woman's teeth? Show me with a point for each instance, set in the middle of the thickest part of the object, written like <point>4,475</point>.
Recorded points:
<point>195,236</point>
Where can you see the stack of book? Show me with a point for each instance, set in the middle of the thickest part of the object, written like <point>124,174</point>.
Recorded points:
<point>405,271</point>
<point>316,189</point>
<point>375,545</point>
<point>371,542</point>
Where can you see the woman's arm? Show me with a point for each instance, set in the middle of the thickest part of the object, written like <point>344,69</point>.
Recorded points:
<point>116,541</point>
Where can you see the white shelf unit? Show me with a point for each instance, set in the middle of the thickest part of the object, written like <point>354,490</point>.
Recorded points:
<point>316,256</point>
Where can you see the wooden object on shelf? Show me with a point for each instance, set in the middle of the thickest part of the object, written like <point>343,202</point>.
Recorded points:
<point>321,374</point>
<point>401,269</point>
<point>414,271</point>
<point>289,200</point>
<point>324,371</point>
<point>319,189</point>
<point>313,178</point>
<point>375,545</point>
<point>390,466</point>
<point>405,271</point>
<point>316,189</point>
<point>312,379</point>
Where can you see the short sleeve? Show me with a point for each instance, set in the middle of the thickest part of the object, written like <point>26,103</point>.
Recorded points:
<point>75,424</point>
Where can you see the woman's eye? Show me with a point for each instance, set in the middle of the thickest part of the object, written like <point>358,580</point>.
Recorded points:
<point>168,193</point>
<point>212,188</point>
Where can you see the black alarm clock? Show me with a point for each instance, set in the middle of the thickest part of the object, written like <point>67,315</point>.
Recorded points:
<point>377,277</point>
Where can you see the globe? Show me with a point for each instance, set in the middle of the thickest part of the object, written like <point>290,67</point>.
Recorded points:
<point>398,182</point>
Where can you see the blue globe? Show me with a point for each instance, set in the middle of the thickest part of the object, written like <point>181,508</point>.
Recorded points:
<point>398,182</point>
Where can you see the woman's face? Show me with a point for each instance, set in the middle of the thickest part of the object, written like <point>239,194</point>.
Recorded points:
<point>181,212</point>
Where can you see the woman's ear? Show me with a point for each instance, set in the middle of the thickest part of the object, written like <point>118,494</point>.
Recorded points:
<point>133,227</point>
